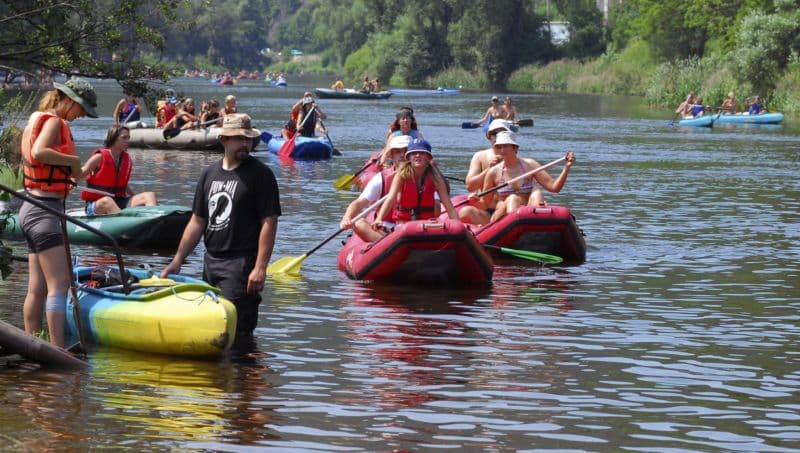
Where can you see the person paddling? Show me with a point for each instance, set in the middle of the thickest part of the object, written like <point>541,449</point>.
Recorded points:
<point>376,188</point>
<point>414,191</point>
<point>526,191</point>
<point>109,170</point>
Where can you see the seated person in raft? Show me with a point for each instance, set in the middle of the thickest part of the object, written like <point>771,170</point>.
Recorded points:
<point>376,188</point>
<point>109,170</point>
<point>407,202</point>
<point>522,192</point>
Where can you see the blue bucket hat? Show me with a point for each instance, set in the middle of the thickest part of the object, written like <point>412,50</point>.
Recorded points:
<point>419,145</point>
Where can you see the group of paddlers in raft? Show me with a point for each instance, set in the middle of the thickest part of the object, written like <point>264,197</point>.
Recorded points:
<point>417,190</point>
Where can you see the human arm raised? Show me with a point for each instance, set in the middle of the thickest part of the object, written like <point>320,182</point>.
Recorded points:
<point>547,181</point>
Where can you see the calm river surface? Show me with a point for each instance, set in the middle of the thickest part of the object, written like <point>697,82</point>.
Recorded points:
<point>681,332</point>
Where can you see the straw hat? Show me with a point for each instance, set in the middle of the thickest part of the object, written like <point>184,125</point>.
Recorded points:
<point>238,125</point>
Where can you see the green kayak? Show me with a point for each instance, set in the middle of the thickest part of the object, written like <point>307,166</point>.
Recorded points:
<point>147,227</point>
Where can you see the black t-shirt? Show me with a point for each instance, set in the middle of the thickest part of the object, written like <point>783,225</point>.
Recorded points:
<point>234,203</point>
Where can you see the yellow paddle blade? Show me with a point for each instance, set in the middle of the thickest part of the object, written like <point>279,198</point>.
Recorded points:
<point>344,182</point>
<point>156,281</point>
<point>288,265</point>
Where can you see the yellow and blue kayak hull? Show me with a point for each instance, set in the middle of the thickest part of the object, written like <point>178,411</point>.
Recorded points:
<point>177,316</point>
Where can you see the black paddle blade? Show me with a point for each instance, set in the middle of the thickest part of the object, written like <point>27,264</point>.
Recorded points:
<point>469,125</point>
<point>336,152</point>
<point>525,123</point>
<point>171,133</point>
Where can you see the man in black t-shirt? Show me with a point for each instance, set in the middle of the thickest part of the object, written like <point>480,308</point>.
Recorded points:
<point>236,208</point>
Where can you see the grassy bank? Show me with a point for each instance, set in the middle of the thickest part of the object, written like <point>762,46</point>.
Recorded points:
<point>633,72</point>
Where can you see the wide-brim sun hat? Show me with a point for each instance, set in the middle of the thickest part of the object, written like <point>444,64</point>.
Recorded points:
<point>505,138</point>
<point>419,145</point>
<point>238,125</point>
<point>399,142</point>
<point>82,92</point>
<point>497,126</point>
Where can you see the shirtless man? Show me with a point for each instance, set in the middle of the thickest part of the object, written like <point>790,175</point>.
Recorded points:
<point>510,112</point>
<point>480,164</point>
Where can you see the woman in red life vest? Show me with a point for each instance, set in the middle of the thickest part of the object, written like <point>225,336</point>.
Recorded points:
<point>415,189</point>
<point>109,170</point>
<point>50,168</point>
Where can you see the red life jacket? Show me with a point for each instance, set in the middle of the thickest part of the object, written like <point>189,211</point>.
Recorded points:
<point>38,175</point>
<point>387,176</point>
<point>415,203</point>
<point>111,177</point>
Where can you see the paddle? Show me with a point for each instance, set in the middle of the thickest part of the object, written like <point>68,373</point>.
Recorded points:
<point>336,152</point>
<point>517,178</point>
<point>288,146</point>
<point>671,122</point>
<point>526,255</point>
<point>291,265</point>
<point>173,132</point>
<point>470,125</point>
<point>344,181</point>
<point>525,123</point>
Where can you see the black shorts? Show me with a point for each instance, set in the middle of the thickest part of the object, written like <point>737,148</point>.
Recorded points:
<point>230,276</point>
<point>42,229</point>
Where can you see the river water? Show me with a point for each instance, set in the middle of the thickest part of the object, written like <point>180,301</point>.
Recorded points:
<point>679,333</point>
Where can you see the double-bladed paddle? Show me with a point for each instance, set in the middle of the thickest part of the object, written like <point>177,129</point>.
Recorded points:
<point>291,264</point>
<point>527,255</point>
<point>336,152</point>
<point>521,123</point>
<point>173,132</point>
<point>344,182</point>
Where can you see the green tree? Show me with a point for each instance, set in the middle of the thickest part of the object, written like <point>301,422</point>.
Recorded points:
<point>765,44</point>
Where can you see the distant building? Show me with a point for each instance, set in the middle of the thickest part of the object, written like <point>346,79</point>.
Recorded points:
<point>559,32</point>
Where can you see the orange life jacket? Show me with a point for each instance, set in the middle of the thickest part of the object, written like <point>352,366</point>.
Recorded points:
<point>164,113</point>
<point>110,177</point>
<point>415,203</point>
<point>46,177</point>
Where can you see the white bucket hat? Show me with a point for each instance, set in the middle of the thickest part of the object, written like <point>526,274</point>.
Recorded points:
<point>399,142</point>
<point>505,138</point>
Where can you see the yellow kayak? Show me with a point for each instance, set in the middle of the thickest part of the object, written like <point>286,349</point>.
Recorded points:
<point>177,316</point>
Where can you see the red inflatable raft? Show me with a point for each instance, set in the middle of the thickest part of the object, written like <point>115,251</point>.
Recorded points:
<point>547,229</point>
<point>441,252</point>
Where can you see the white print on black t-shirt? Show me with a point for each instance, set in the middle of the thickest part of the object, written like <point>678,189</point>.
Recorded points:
<point>220,204</point>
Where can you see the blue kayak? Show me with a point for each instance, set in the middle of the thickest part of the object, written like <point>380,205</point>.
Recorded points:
<point>700,121</point>
<point>761,118</point>
<point>410,92</point>
<point>305,148</point>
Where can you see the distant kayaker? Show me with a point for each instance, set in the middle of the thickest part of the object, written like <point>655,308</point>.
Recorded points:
<point>229,106</point>
<point>308,117</point>
<point>128,109</point>
<point>416,192</point>
<point>376,188</point>
<point>685,107</point>
<point>405,123</point>
<point>338,85</point>
<point>495,111</point>
<point>509,110</point>
<point>754,107</point>
<point>235,210</point>
<point>50,168</point>
<point>109,170</point>
<point>729,104</point>
<point>525,191</point>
